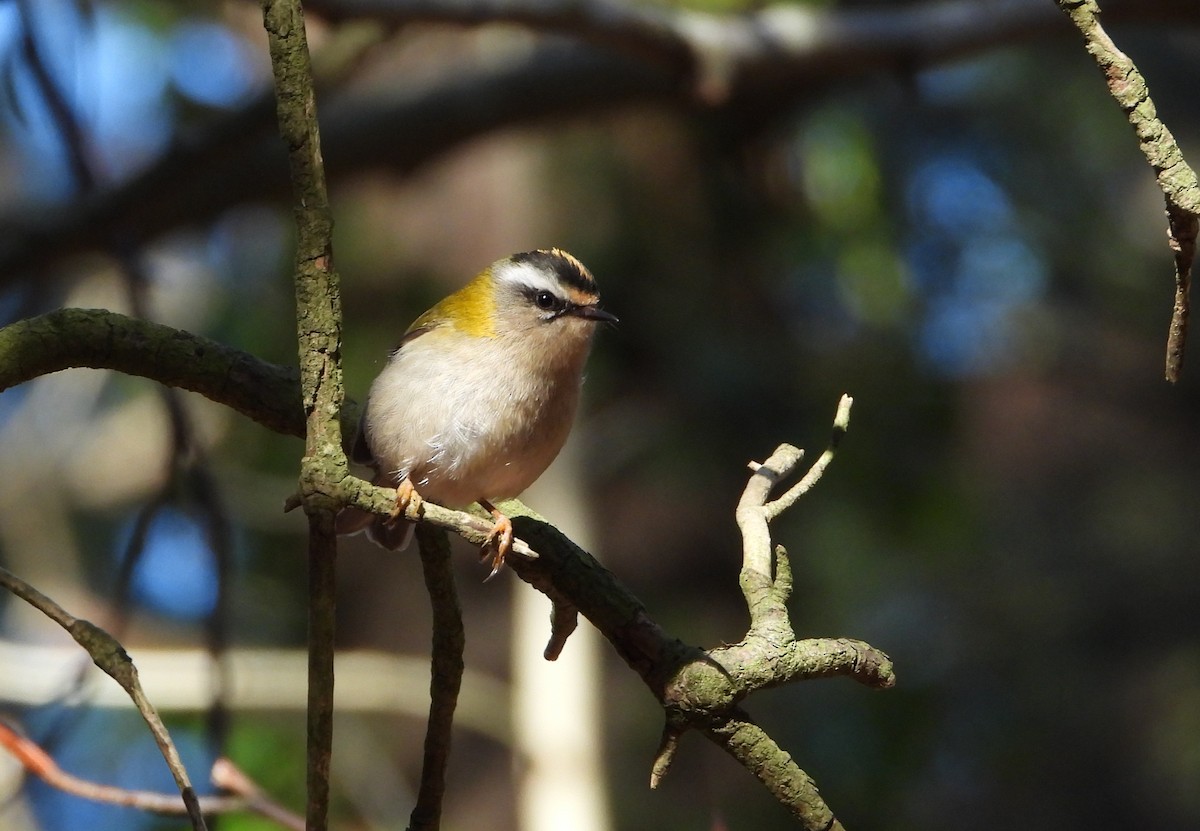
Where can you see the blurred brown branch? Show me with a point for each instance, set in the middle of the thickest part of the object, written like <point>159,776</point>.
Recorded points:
<point>248,796</point>
<point>110,656</point>
<point>751,69</point>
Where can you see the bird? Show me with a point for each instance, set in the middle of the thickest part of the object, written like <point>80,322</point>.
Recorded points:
<point>480,395</point>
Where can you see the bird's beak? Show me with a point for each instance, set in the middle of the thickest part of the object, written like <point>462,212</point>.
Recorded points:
<point>594,312</point>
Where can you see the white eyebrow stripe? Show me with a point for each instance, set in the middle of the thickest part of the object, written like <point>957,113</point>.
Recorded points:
<point>522,275</point>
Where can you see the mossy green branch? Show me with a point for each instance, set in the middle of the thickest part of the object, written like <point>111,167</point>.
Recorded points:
<point>773,766</point>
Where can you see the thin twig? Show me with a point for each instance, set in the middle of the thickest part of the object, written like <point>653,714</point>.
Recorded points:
<point>446,671</point>
<point>38,762</point>
<point>668,746</point>
<point>229,777</point>
<point>62,116</point>
<point>841,422</point>
<point>1176,179</point>
<point>322,608</point>
<point>247,797</point>
<point>110,656</point>
<point>766,577</point>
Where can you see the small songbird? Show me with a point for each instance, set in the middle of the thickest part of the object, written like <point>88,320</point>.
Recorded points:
<point>478,398</point>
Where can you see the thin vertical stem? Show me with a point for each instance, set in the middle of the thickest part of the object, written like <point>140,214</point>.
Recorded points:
<point>445,676</point>
<point>318,326</point>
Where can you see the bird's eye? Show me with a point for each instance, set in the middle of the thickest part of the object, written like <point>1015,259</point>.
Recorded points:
<point>545,300</point>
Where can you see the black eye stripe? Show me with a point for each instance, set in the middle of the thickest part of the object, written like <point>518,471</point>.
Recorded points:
<point>545,299</point>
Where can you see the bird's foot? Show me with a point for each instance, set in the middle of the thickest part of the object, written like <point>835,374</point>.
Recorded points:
<point>406,495</point>
<point>499,540</point>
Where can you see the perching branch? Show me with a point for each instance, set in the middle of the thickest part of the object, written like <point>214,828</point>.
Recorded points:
<point>1176,179</point>
<point>111,657</point>
<point>699,689</point>
<point>266,393</point>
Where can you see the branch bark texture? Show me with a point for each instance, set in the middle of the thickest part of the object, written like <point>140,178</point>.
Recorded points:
<point>318,329</point>
<point>1176,178</point>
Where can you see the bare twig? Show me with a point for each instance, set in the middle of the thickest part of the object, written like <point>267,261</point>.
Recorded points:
<point>110,656</point>
<point>248,797</point>
<point>766,577</point>
<point>841,421</point>
<point>446,673</point>
<point>1176,178</point>
<point>564,618</point>
<point>668,746</point>
<point>61,115</point>
<point>229,777</point>
<point>35,760</point>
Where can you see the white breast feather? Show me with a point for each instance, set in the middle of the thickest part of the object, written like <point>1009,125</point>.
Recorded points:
<point>465,427</point>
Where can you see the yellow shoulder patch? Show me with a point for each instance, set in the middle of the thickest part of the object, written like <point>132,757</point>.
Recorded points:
<point>471,309</point>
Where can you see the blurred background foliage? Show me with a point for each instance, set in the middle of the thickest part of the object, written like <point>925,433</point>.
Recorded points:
<point>974,250</point>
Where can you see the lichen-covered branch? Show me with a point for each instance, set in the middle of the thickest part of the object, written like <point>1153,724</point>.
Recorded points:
<point>1176,178</point>
<point>706,691</point>
<point>756,751</point>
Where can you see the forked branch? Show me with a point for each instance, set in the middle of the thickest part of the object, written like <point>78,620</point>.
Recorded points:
<point>703,689</point>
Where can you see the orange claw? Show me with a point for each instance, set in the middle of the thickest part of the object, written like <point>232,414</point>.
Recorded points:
<point>406,495</point>
<point>500,538</point>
